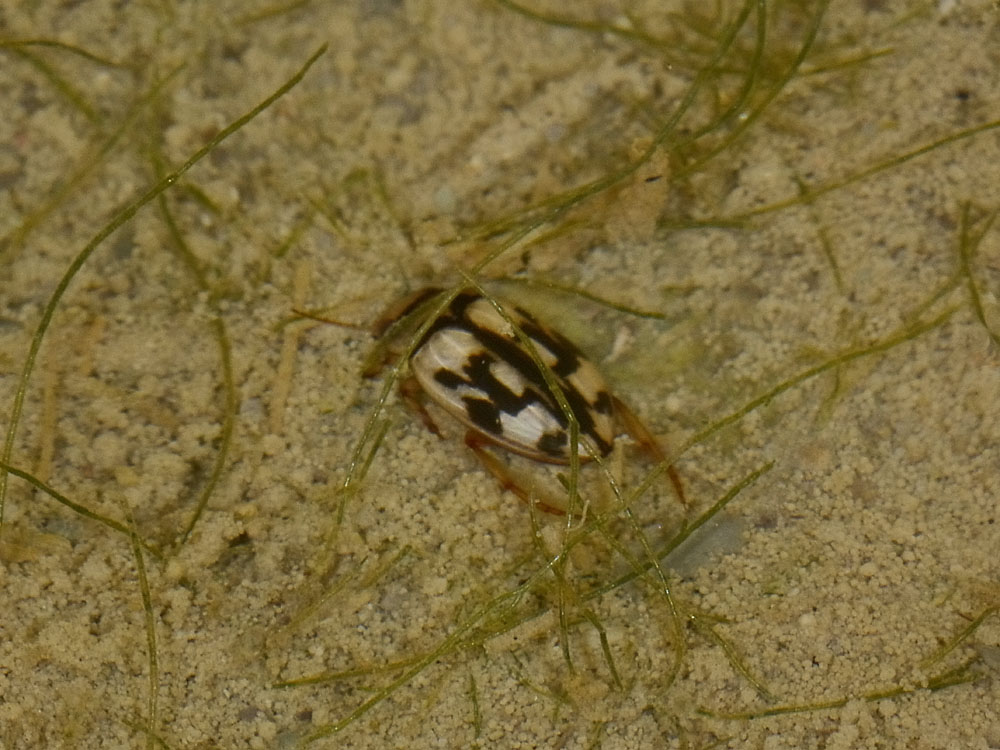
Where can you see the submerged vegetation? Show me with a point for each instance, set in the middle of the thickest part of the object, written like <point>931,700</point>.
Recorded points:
<point>688,194</point>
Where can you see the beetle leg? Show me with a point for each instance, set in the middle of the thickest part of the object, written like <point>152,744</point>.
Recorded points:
<point>641,434</point>
<point>413,395</point>
<point>500,471</point>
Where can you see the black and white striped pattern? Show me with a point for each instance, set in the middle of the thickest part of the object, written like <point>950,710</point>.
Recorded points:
<point>471,363</point>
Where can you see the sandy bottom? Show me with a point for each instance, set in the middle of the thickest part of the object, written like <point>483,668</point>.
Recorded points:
<point>824,363</point>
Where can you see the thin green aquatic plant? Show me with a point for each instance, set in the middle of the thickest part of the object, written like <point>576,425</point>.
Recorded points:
<point>477,717</point>
<point>148,724</point>
<point>103,146</point>
<point>149,619</point>
<point>810,195</point>
<point>650,563</point>
<point>565,603</point>
<point>59,83</point>
<point>75,507</point>
<point>964,674</point>
<point>960,637</point>
<point>967,245</point>
<point>501,608</point>
<point>220,332</point>
<point>55,44</point>
<point>742,67</point>
<point>909,332</point>
<point>556,207</point>
<point>123,216</point>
